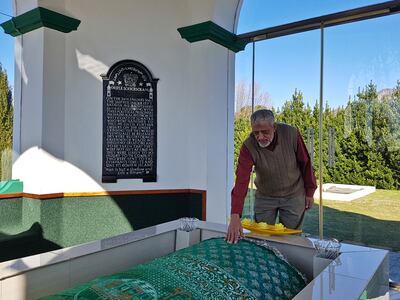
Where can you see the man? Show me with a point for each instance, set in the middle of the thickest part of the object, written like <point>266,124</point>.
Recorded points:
<point>285,179</point>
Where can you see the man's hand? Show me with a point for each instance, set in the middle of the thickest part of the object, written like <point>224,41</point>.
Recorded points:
<point>235,229</point>
<point>309,202</point>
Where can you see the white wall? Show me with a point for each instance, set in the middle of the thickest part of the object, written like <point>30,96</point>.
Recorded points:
<point>194,100</point>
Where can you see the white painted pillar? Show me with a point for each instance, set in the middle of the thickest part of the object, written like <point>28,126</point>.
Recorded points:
<point>40,88</point>
<point>212,76</point>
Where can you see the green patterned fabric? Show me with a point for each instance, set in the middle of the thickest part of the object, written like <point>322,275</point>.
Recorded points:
<point>211,269</point>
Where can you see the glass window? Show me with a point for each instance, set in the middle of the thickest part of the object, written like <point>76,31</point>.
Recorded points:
<point>286,80</point>
<point>259,14</point>
<point>361,112</point>
<point>361,132</point>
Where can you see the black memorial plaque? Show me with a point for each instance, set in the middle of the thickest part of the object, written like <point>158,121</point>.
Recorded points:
<point>129,123</point>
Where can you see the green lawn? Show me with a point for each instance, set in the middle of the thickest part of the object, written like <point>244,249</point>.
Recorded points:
<point>373,220</point>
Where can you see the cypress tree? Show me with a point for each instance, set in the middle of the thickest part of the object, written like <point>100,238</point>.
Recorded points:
<point>6,125</point>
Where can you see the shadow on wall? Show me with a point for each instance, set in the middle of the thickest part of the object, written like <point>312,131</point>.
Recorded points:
<point>148,210</point>
<point>26,243</point>
<point>30,226</point>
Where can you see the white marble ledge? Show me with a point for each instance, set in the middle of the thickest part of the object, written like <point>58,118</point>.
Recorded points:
<point>20,265</point>
<point>332,287</point>
<point>211,226</point>
<point>308,242</point>
<point>13,267</point>
<point>394,295</point>
<point>361,265</point>
<point>16,266</point>
<point>350,248</point>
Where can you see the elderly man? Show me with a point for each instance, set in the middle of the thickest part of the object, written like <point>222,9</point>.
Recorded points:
<point>285,179</point>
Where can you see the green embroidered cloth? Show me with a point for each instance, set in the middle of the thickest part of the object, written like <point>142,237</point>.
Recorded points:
<point>211,269</point>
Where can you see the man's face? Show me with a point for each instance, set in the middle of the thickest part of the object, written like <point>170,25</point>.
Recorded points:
<point>263,131</point>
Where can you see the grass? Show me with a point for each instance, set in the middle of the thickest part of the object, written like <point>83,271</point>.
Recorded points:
<point>373,220</point>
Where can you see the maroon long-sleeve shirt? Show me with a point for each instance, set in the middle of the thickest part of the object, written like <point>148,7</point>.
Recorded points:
<point>245,164</point>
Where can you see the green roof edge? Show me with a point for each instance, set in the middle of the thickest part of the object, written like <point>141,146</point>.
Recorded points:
<point>37,18</point>
<point>210,31</point>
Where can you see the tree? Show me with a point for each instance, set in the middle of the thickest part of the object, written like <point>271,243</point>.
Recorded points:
<point>366,136</point>
<point>6,124</point>
<point>389,135</point>
<point>361,132</point>
<point>243,95</point>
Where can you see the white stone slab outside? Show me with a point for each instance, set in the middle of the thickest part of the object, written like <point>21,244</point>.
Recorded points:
<point>344,192</point>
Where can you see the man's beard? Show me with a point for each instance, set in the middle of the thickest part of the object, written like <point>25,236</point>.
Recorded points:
<point>264,145</point>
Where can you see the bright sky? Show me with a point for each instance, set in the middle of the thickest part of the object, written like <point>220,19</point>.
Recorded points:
<point>354,53</point>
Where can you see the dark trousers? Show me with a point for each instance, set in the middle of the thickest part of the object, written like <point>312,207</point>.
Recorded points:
<point>290,210</point>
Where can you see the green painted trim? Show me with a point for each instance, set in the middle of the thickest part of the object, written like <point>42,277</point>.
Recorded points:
<point>11,186</point>
<point>37,18</point>
<point>211,31</point>
<point>69,221</point>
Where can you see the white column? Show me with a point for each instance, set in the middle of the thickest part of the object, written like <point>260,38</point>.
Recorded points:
<point>39,86</point>
<point>42,92</point>
<point>212,77</point>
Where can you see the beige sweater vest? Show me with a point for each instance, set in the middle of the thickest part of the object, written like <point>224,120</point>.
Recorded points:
<point>277,172</point>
